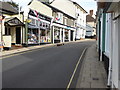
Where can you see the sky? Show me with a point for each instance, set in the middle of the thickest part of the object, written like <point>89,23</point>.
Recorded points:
<point>86,4</point>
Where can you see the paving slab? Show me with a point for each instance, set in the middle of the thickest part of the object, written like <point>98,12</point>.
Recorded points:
<point>92,72</point>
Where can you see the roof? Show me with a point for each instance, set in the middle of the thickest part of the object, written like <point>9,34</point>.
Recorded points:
<point>79,6</point>
<point>13,21</point>
<point>90,19</point>
<point>7,8</point>
<point>56,9</point>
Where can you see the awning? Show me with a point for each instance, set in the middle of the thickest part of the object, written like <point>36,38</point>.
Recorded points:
<point>13,21</point>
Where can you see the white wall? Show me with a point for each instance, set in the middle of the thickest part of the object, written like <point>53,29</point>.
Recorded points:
<point>114,49</point>
<point>65,6</point>
<point>13,34</point>
<point>41,8</point>
<point>119,50</point>
<point>115,54</point>
<point>81,23</point>
<point>107,35</point>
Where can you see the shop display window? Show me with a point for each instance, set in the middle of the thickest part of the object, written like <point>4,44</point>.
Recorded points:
<point>45,36</point>
<point>66,34</point>
<point>57,34</point>
<point>33,36</point>
<point>33,21</point>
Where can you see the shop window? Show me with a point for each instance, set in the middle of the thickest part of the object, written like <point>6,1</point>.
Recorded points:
<point>66,35</point>
<point>47,26</point>
<point>33,36</point>
<point>40,23</point>
<point>33,21</point>
<point>57,34</point>
<point>44,24</point>
<point>37,22</point>
<point>42,32</point>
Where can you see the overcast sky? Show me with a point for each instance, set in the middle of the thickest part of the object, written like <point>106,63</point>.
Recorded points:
<point>86,4</point>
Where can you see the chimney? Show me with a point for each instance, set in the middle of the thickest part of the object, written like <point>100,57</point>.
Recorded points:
<point>91,12</point>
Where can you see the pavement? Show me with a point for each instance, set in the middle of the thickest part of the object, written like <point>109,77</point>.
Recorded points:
<point>92,73</point>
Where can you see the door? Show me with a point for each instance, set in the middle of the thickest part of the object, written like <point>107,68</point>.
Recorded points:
<point>18,35</point>
<point>71,35</point>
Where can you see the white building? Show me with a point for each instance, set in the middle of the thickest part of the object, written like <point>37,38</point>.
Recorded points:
<point>64,26</point>
<point>108,27</point>
<point>76,12</point>
<point>91,22</point>
<point>80,21</point>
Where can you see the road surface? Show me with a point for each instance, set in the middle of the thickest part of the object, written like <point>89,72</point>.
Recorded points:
<point>43,68</point>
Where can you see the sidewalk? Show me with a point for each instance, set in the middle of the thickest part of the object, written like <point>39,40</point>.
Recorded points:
<point>92,73</point>
<point>25,49</point>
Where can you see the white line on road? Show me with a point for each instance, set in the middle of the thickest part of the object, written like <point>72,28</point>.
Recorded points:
<point>71,79</point>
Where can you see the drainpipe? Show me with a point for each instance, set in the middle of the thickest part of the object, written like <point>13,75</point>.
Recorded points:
<point>53,35</point>
<point>110,55</point>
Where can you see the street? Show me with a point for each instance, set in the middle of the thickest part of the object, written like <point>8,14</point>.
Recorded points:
<point>43,68</point>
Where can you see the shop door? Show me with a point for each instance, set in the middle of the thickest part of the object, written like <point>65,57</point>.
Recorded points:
<point>62,35</point>
<point>71,35</point>
<point>18,35</point>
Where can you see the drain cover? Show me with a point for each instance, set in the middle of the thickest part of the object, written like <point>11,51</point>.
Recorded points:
<point>95,78</point>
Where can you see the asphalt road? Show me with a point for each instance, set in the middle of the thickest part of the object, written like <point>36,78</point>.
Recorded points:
<point>44,68</point>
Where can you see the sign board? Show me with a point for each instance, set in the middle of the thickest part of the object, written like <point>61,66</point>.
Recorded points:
<point>7,41</point>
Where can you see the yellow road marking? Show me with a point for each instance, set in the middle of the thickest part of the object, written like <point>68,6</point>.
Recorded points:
<point>71,79</point>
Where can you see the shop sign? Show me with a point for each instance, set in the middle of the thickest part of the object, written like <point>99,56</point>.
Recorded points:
<point>38,15</point>
<point>1,18</point>
<point>68,27</point>
<point>28,20</point>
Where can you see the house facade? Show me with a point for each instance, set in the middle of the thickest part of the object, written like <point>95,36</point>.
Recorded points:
<point>108,30</point>
<point>64,19</point>
<point>12,26</point>
<point>91,24</point>
<point>80,21</point>
<point>38,22</point>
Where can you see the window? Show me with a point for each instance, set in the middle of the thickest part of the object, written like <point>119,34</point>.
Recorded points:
<point>44,24</point>
<point>37,22</point>
<point>7,31</point>
<point>43,33</point>
<point>33,21</point>
<point>40,23</point>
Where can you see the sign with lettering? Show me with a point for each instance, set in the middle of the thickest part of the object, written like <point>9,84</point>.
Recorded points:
<point>39,16</point>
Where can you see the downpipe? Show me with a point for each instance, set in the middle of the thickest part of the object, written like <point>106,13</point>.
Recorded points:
<point>109,78</point>
<point>109,74</point>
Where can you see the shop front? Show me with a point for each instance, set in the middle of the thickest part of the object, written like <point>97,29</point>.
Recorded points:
<point>67,35</point>
<point>38,29</point>
<point>45,33</point>
<point>62,33</point>
<point>13,31</point>
<point>57,34</point>
<point>33,35</point>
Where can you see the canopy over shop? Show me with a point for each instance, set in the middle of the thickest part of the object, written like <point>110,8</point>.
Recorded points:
<point>13,29</point>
